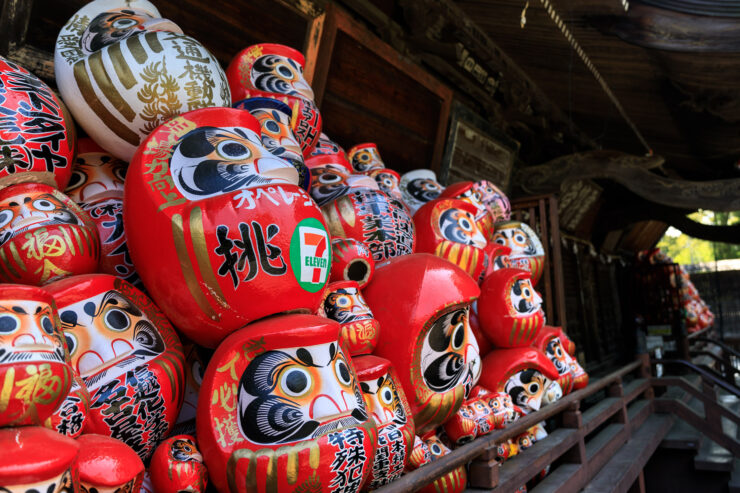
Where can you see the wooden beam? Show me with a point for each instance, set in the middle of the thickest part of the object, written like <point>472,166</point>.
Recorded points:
<point>14,24</point>
<point>663,29</point>
<point>634,172</point>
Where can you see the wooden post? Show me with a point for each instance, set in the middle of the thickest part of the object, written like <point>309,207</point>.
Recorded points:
<point>483,471</point>
<point>572,418</point>
<point>712,416</point>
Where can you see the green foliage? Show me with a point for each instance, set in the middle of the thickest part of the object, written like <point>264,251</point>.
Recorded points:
<point>687,250</point>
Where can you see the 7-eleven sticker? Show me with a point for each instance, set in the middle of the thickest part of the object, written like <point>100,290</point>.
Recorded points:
<point>310,254</point>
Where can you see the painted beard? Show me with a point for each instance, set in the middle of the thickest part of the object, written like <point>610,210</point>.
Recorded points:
<point>526,389</point>
<point>385,396</point>
<point>458,226</point>
<point>554,351</point>
<point>344,307</point>
<point>270,72</point>
<point>443,365</point>
<point>522,297</point>
<point>278,402</point>
<point>41,210</point>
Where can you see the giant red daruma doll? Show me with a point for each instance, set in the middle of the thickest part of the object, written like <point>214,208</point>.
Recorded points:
<point>280,409</point>
<point>229,236</point>
<point>128,356</point>
<point>422,303</point>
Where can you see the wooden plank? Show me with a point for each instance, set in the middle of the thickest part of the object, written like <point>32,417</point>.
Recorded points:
<point>520,469</point>
<point>597,414</point>
<point>638,412</point>
<point>683,412</point>
<point>324,54</point>
<point>564,479</point>
<point>604,445</point>
<point>636,387</point>
<point>625,466</point>
<point>312,45</point>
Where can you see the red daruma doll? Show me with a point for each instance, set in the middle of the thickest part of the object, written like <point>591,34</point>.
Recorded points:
<point>229,236</point>
<point>280,409</point>
<point>35,378</point>
<point>128,356</point>
<point>422,303</point>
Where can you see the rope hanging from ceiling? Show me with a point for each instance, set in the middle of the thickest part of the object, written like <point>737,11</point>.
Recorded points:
<point>552,13</point>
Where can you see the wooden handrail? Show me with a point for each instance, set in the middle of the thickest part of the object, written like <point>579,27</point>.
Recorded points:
<point>699,338</point>
<point>429,472</point>
<point>706,375</point>
<point>697,393</point>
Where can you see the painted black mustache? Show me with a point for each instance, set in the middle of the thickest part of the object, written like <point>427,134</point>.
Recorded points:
<point>444,372</point>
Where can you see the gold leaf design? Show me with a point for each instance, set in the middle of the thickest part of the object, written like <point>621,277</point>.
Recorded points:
<point>159,96</point>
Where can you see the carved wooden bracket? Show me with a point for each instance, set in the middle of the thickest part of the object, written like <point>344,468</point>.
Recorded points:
<point>634,173</point>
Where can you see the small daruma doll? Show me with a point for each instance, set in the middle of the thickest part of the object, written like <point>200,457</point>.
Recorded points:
<point>276,71</point>
<point>331,179</point>
<point>526,249</point>
<point>44,235</point>
<point>226,225</point>
<point>493,198</point>
<point>447,229</point>
<point>509,309</point>
<point>466,191</point>
<point>419,187</point>
<point>97,187</point>
<point>525,373</point>
<point>38,460</point>
<point>177,466</point>
<point>365,158</point>
<point>281,409</point>
<point>128,356</point>
<point>389,408</point>
<point>351,261</point>
<point>549,341</point>
<point>108,465</point>
<point>38,135</point>
<point>277,137</point>
<point>343,302</point>
<point>35,377</point>
<point>422,303</point>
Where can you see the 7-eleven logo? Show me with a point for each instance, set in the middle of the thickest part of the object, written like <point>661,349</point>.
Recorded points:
<point>310,254</point>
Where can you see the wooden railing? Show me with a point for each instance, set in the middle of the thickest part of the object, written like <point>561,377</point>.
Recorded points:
<point>583,454</point>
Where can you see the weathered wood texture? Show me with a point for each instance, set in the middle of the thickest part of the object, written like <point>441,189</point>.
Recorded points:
<point>634,173</point>
<point>368,92</point>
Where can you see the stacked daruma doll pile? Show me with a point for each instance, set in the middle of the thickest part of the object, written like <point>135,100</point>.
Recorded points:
<point>334,312</point>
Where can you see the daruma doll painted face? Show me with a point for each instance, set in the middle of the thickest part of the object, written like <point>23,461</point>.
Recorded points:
<point>35,377</point>
<point>447,229</point>
<point>123,71</point>
<point>526,249</point>
<point>177,465</point>
<point>38,135</point>
<point>276,71</point>
<point>230,238</point>
<point>467,192</point>
<point>389,408</point>
<point>36,459</point>
<point>525,373</point>
<point>425,333</point>
<point>493,198</point>
<point>509,309</point>
<point>419,187</point>
<point>343,302</point>
<point>365,158</point>
<point>128,356</point>
<point>281,409</point>
<point>44,235</point>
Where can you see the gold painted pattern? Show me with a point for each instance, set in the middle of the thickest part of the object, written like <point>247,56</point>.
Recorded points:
<point>187,268</point>
<point>201,254</point>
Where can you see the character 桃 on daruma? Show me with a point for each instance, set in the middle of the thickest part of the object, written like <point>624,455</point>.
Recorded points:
<point>447,229</point>
<point>97,187</point>
<point>422,303</point>
<point>343,302</point>
<point>123,71</point>
<point>526,248</point>
<point>128,356</point>
<point>38,135</point>
<point>226,225</point>
<point>35,376</point>
<point>44,235</point>
<point>509,309</point>
<point>525,373</point>
<point>275,71</point>
<point>388,406</point>
<point>38,460</point>
<point>281,409</point>
<point>177,466</point>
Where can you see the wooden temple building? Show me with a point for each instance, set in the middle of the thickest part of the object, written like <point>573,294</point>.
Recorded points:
<point>605,121</point>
